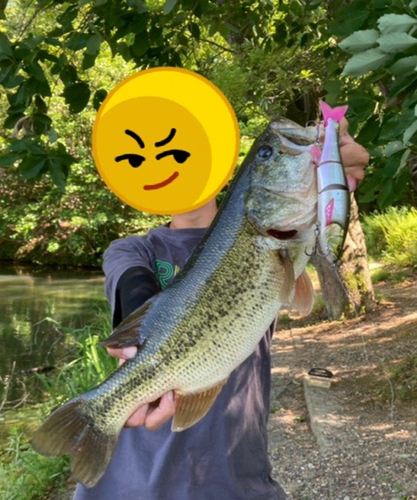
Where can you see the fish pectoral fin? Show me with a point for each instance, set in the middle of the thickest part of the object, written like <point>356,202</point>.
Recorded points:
<point>128,332</point>
<point>303,299</point>
<point>191,408</point>
<point>287,289</point>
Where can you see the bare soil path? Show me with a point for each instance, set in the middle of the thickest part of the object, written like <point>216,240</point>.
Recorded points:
<point>356,440</point>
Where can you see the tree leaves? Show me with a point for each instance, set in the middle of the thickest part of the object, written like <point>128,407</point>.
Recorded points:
<point>78,41</point>
<point>141,44</point>
<point>404,66</point>
<point>363,63</point>
<point>58,173</point>
<point>37,160</point>
<point>98,98</point>
<point>408,134</point>
<point>8,159</point>
<point>77,96</point>
<point>360,41</point>
<point>6,51</point>
<point>32,166</point>
<point>93,44</point>
<point>396,42</point>
<point>396,23</point>
<point>140,5</point>
<point>168,6</point>
<point>350,18</point>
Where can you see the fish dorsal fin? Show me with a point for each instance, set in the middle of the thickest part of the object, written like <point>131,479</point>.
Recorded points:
<point>303,299</point>
<point>191,408</point>
<point>289,278</point>
<point>128,332</point>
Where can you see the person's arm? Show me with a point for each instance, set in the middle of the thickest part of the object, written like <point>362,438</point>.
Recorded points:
<point>135,287</point>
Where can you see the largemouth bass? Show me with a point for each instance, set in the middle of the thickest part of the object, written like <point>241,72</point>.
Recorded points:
<point>194,333</point>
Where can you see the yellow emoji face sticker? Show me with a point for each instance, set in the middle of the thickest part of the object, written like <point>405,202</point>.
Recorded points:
<point>165,140</point>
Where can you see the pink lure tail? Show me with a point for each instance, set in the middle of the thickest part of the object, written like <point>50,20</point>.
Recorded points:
<point>334,113</point>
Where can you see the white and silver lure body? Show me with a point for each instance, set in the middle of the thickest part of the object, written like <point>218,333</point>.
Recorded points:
<point>333,190</point>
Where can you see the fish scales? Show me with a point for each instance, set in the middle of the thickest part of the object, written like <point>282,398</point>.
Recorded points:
<point>210,319</point>
<point>188,349</point>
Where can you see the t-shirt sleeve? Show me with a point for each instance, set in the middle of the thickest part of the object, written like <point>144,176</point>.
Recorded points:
<point>124,254</point>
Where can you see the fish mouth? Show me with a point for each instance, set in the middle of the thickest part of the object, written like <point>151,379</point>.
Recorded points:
<point>282,235</point>
<point>162,184</point>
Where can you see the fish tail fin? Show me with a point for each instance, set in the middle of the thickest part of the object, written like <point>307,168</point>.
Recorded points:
<point>72,430</point>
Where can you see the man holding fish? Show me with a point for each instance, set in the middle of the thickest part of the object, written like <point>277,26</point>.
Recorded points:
<point>192,344</point>
<point>224,456</point>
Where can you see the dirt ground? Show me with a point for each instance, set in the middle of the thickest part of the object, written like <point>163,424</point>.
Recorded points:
<point>357,439</point>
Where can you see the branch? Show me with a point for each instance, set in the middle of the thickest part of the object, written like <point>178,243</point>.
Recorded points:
<point>7,387</point>
<point>26,26</point>
<point>218,45</point>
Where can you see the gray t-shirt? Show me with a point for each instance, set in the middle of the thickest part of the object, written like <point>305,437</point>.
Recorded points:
<point>224,456</point>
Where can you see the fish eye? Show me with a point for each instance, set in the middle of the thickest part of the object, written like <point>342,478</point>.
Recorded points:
<point>264,152</point>
<point>134,160</point>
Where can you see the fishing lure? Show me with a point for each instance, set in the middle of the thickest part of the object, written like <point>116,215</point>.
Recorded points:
<point>333,188</point>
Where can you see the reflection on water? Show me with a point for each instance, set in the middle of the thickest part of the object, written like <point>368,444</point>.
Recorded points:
<point>34,305</point>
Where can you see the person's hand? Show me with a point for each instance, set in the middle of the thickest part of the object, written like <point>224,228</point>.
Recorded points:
<point>355,158</point>
<point>151,415</point>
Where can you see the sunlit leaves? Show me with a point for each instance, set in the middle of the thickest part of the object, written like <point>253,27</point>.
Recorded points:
<point>395,23</point>
<point>364,62</point>
<point>360,41</point>
<point>396,42</point>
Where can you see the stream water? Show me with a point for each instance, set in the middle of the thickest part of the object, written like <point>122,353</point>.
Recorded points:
<point>36,308</point>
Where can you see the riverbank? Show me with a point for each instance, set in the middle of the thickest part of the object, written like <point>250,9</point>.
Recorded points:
<point>25,475</point>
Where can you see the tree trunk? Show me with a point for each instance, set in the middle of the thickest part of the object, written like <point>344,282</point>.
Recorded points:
<point>347,287</point>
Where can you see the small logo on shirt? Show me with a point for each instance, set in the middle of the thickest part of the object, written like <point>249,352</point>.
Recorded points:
<point>165,271</point>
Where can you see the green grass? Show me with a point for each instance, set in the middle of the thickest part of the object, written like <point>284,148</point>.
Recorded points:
<point>405,379</point>
<point>25,475</point>
<point>392,235</point>
<point>388,273</point>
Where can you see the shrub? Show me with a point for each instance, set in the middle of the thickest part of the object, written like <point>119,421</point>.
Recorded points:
<point>392,235</point>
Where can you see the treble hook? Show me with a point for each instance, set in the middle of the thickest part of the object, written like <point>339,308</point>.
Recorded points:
<point>315,249</point>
